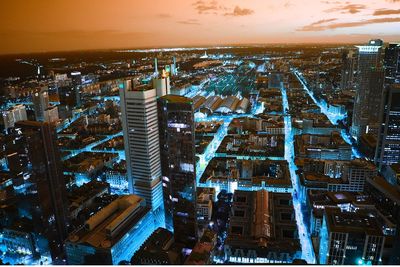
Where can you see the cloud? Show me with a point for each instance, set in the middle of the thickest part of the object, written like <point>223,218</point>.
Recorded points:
<point>206,6</point>
<point>189,22</point>
<point>322,21</point>
<point>238,11</point>
<point>382,12</point>
<point>164,16</point>
<point>320,27</point>
<point>349,8</point>
<point>213,7</point>
<point>331,2</point>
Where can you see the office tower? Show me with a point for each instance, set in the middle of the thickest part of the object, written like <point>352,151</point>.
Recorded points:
<point>40,101</point>
<point>392,63</point>
<point>51,114</point>
<point>350,238</point>
<point>377,78</point>
<point>141,140</point>
<point>388,146</point>
<point>348,62</point>
<point>162,84</point>
<point>76,77</point>
<point>13,115</point>
<point>156,66</point>
<point>178,165</point>
<point>44,190</point>
<point>369,84</point>
<point>113,234</point>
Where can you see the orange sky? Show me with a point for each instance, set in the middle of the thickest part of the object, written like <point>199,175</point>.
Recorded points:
<point>53,25</point>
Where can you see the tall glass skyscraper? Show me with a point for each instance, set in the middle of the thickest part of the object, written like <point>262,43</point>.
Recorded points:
<point>388,147</point>
<point>347,79</point>
<point>178,164</point>
<point>369,88</point>
<point>43,198</point>
<point>392,63</point>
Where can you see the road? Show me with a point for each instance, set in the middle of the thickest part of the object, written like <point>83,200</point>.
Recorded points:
<point>304,236</point>
<point>333,117</point>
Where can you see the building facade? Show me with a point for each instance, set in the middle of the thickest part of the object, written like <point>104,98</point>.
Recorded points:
<point>141,141</point>
<point>178,164</point>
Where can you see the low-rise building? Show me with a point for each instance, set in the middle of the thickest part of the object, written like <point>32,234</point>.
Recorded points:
<point>113,234</point>
<point>262,229</point>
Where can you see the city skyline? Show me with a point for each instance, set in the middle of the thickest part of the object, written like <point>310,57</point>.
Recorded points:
<point>73,25</point>
<point>200,132</point>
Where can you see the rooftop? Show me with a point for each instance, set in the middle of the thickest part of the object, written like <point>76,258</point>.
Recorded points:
<point>108,225</point>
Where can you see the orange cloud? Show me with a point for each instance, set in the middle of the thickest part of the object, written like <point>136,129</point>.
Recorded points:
<point>350,8</point>
<point>237,12</point>
<point>381,12</point>
<point>319,27</point>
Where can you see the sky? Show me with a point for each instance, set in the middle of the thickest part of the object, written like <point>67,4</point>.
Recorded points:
<point>62,25</point>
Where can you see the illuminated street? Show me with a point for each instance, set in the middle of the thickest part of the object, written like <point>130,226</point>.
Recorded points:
<point>304,236</point>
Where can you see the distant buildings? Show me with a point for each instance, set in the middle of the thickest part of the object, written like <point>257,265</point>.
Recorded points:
<point>348,65</point>
<point>51,114</point>
<point>335,175</point>
<point>322,147</point>
<point>13,115</point>
<point>369,89</point>
<point>111,235</point>
<point>178,165</point>
<point>40,101</point>
<point>141,140</point>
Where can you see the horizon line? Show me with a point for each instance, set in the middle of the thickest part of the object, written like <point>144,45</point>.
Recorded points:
<point>215,46</point>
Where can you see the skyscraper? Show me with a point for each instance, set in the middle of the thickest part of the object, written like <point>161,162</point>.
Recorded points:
<point>348,63</point>
<point>369,87</point>
<point>76,77</point>
<point>388,147</point>
<point>350,238</point>
<point>178,164</point>
<point>392,63</point>
<point>142,148</point>
<point>43,197</point>
<point>14,114</point>
<point>40,101</point>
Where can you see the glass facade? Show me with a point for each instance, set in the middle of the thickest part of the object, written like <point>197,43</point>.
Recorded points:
<point>177,146</point>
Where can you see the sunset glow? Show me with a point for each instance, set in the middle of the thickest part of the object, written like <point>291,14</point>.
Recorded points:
<point>52,25</point>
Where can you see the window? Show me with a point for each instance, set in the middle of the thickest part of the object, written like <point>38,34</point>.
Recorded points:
<point>238,230</point>
<point>239,213</point>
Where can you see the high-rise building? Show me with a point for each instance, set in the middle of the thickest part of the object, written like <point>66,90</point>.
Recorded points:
<point>353,238</point>
<point>162,84</point>
<point>392,63</point>
<point>348,64</point>
<point>178,165</point>
<point>51,114</point>
<point>76,78</point>
<point>43,191</point>
<point>369,85</point>
<point>40,101</point>
<point>388,147</point>
<point>13,115</point>
<point>141,140</point>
